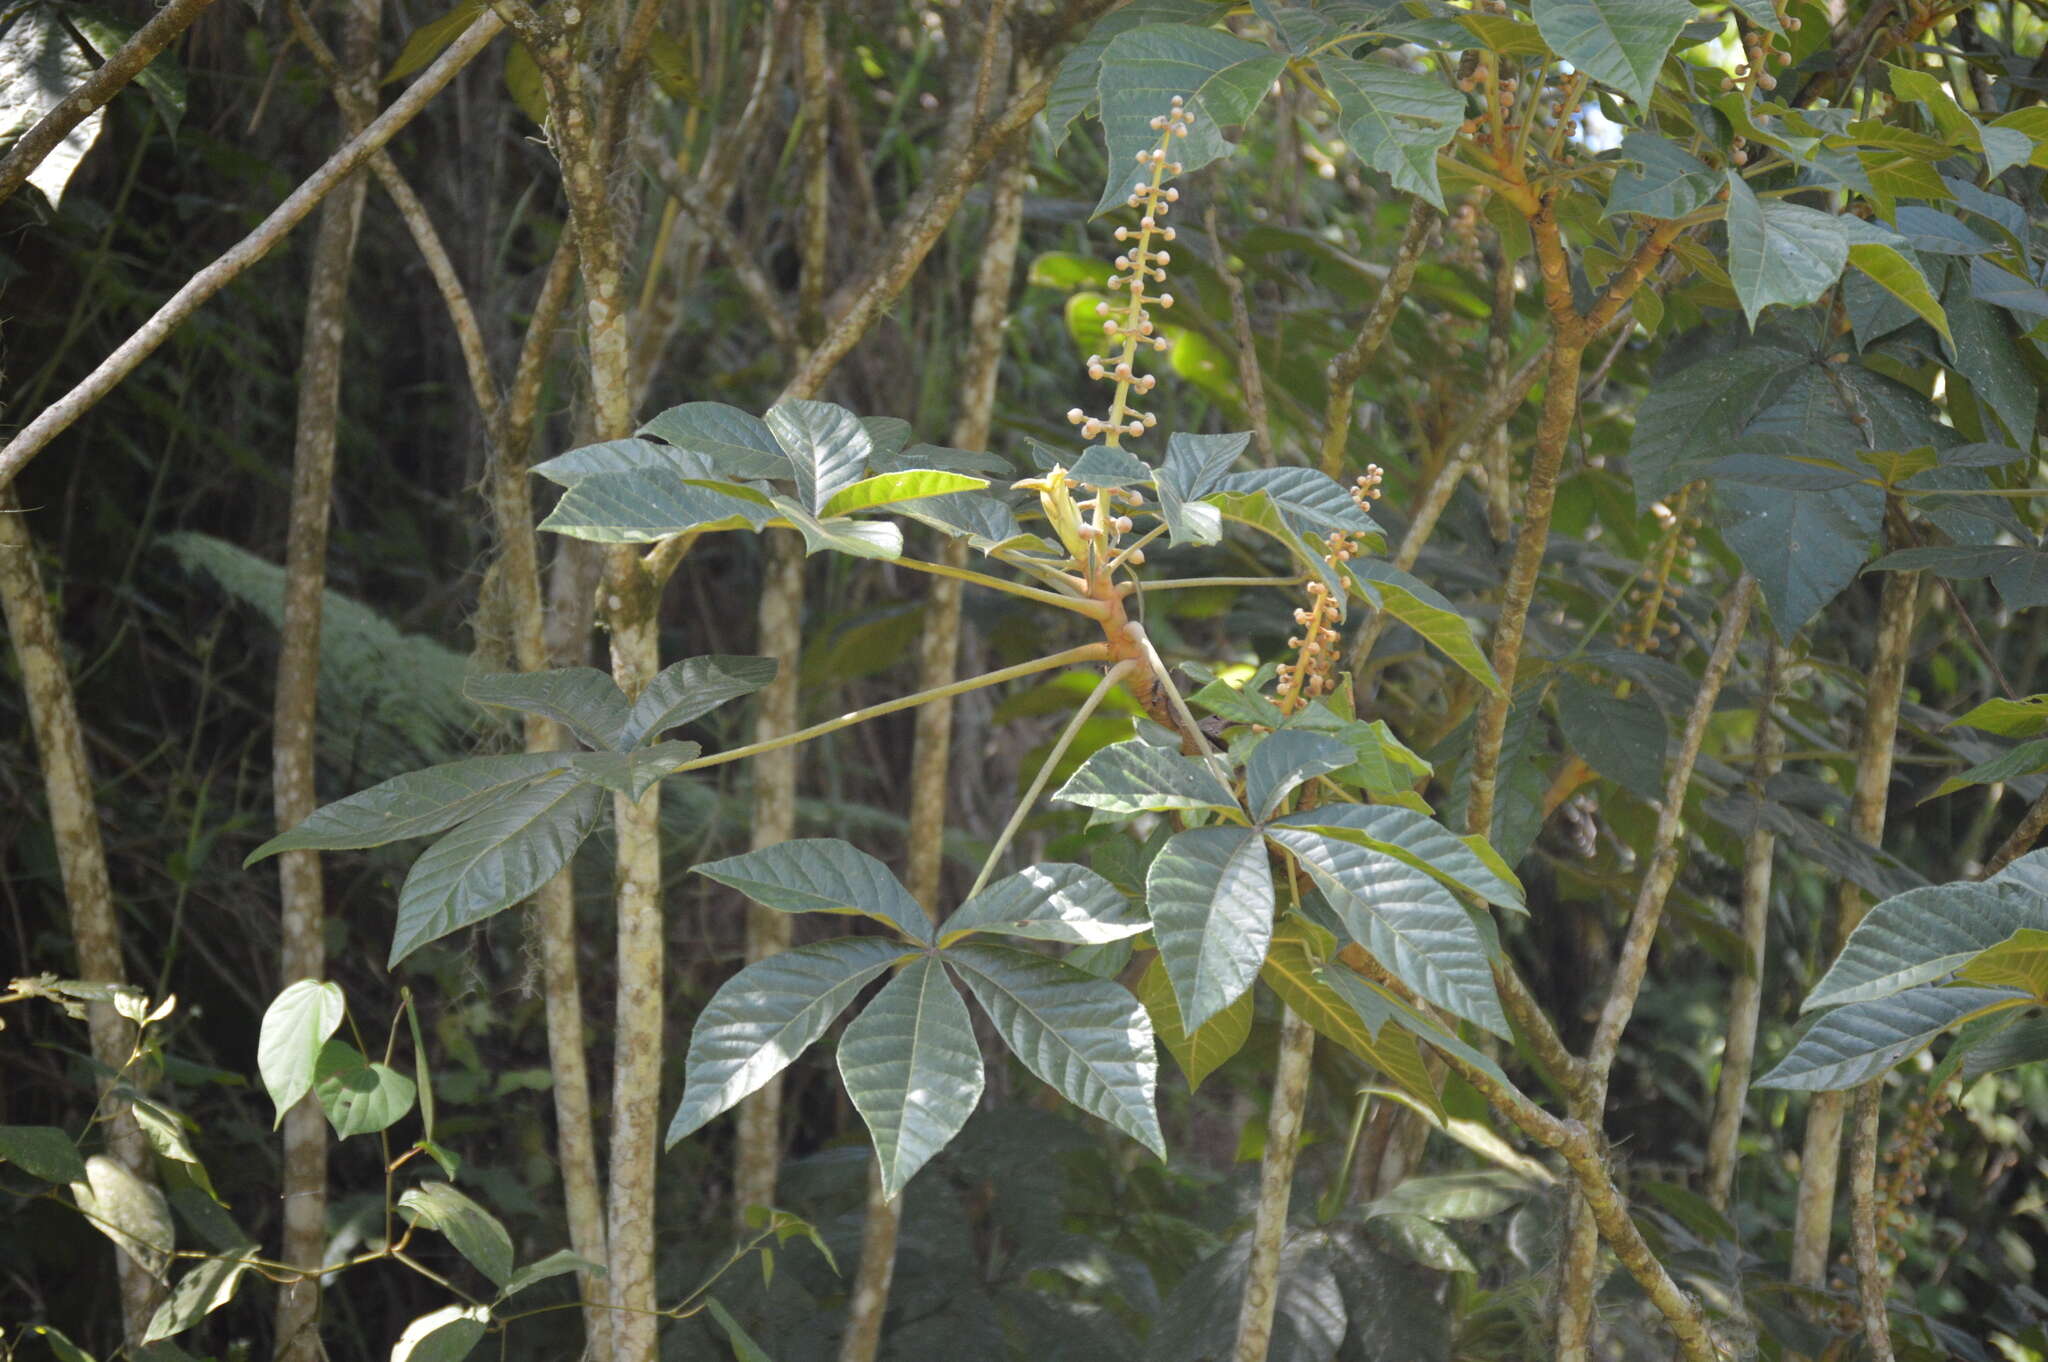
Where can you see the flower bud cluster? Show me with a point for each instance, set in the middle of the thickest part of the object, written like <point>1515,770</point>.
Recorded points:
<point>1761,50</point>
<point>1313,671</point>
<point>1127,324</point>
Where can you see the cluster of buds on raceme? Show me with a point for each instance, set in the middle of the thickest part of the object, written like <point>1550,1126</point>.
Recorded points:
<point>1313,671</point>
<point>1127,322</point>
<point>1090,530</point>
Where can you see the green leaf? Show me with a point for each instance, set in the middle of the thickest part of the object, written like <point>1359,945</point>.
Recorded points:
<point>1239,704</point>
<point>1901,278</point>
<point>1620,43</point>
<point>1211,896</point>
<point>2023,760</point>
<point>855,538</point>
<point>1987,354</point>
<point>2023,718</point>
<point>1088,1038</point>
<point>650,504</point>
<point>2024,1042</point>
<point>1478,1195</point>
<point>1193,466</point>
<point>1283,760</point>
<point>1780,252</point>
<point>1051,901</point>
<point>1103,466</point>
<point>557,1264</point>
<point>1663,181</point>
<point>630,457</point>
<point>690,689</point>
<point>1222,79</point>
<point>1802,547</point>
<point>744,1349</point>
<point>910,1064</point>
<point>417,804</point>
<point>1397,120</point>
<point>826,444</point>
<point>359,1097</point>
<point>1136,777</point>
<point>42,1152</point>
<point>1853,1043</point>
<point>888,489</point>
<point>582,699</point>
<point>425,43</point>
<point>1409,922</point>
<point>736,443</point>
<point>1208,1048</point>
<point>1420,841</point>
<point>40,66</point>
<point>1690,417</point>
<point>445,1335</point>
<point>64,1348</point>
<point>1073,85</point>
<point>295,1025</point>
<point>1416,604</point>
<point>975,463</point>
<point>204,1289</point>
<point>1426,1242</point>
<point>632,773</point>
<point>163,79</point>
<point>822,875</point>
<point>496,859</point>
<point>128,1211</point>
<point>474,1231</point>
<point>1320,996</point>
<point>1622,739</point>
<point>762,1018</point>
<point>2020,961</point>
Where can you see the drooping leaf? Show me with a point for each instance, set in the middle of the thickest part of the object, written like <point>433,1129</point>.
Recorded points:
<point>445,1335</point>
<point>826,444</point>
<point>557,1264</point>
<point>1321,996</point>
<point>1397,120</point>
<point>1109,466</point>
<point>1622,739</point>
<point>1418,605</point>
<point>41,66</point>
<point>129,1211</point>
<point>1620,43</point>
<point>496,859</point>
<point>1859,1041</point>
<point>822,875</point>
<point>744,1348</point>
<point>2024,1042</point>
<point>2023,760</point>
<point>206,1287</point>
<point>1780,252</point>
<point>426,42</point>
<point>1283,760</point>
<point>910,1064</point>
<point>1086,1037</point>
<point>889,489</point>
<point>1920,936</point>
<point>645,505</point>
<point>42,1152</point>
<point>1409,922</point>
<point>295,1025</point>
<point>417,804</point>
<point>359,1097</point>
<point>842,534</point>
<point>1477,1195</point>
<point>736,443</point>
<point>1051,901</point>
<point>1210,892</point>
<point>582,699</point>
<point>1901,278</point>
<point>1420,841</point>
<point>690,689</point>
<point>1690,417</point>
<point>762,1018</point>
<point>474,1231</point>
<point>1136,777</point>
<point>2026,717</point>
<point>1803,548</point>
<point>1204,1051</point>
<point>632,773</point>
<point>1143,69</point>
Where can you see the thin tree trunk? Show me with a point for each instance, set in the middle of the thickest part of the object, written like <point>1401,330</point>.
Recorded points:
<point>1871,1278</point>
<point>1276,1178</point>
<point>1820,1160</point>
<point>294,739</point>
<point>938,665</point>
<point>81,859</point>
<point>1745,995</point>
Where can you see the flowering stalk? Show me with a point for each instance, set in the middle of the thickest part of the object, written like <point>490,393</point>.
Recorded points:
<point>1311,674</point>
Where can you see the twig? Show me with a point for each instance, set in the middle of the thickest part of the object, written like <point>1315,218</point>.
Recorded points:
<point>102,85</point>
<point>1247,354</point>
<point>2031,825</point>
<point>1345,367</point>
<point>58,416</point>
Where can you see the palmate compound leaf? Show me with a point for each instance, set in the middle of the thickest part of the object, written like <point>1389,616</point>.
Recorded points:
<point>1136,777</point>
<point>1617,42</point>
<point>1088,1038</point>
<point>1204,1051</point>
<point>762,1018</point>
<point>642,505</point>
<point>1409,922</point>
<point>1194,464</point>
<point>827,447</point>
<point>1920,936</point>
<point>822,875</point>
<point>417,804</point>
<point>1222,78</point>
<point>1419,840</point>
<point>1283,760</point>
<point>295,1025</point>
<point>910,1063</point>
<point>736,443</point>
<point>1210,891</point>
<point>581,699</point>
<point>1859,1041</point>
<point>1052,901</point>
<point>690,689</point>
<point>494,860</point>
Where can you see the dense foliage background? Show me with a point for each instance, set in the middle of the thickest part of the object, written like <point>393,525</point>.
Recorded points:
<point>160,523</point>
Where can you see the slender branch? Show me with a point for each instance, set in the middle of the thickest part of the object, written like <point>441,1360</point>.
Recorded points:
<point>1349,363</point>
<point>2032,823</point>
<point>102,85</point>
<point>1745,995</point>
<point>58,416</point>
<point>1249,376</point>
<point>1045,769</point>
<point>761,293</point>
<point>1196,583</point>
<point>1871,1278</point>
<point>1261,1296</point>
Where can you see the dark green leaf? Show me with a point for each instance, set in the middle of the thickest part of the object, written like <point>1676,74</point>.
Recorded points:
<point>1283,760</point>
<point>826,444</point>
<point>1210,892</point>
<point>1203,1052</point>
<point>1397,120</point>
<point>1780,252</point>
<point>1664,181</point>
<point>559,1263</point>
<point>42,1152</point>
<point>208,1286</point>
<point>474,1231</point>
<point>1416,604</point>
<point>1860,1041</point>
<point>1136,777</point>
<point>1222,79</point>
<point>1073,85</point>
<point>417,804</point>
<point>689,689</point>
<point>910,1064</point>
<point>1617,42</point>
<point>822,875</point>
<point>646,505</point>
<point>1420,841</point>
<point>1802,547</point>
<point>736,443</point>
<point>1622,739</point>
<point>1102,466</point>
<point>582,699</point>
